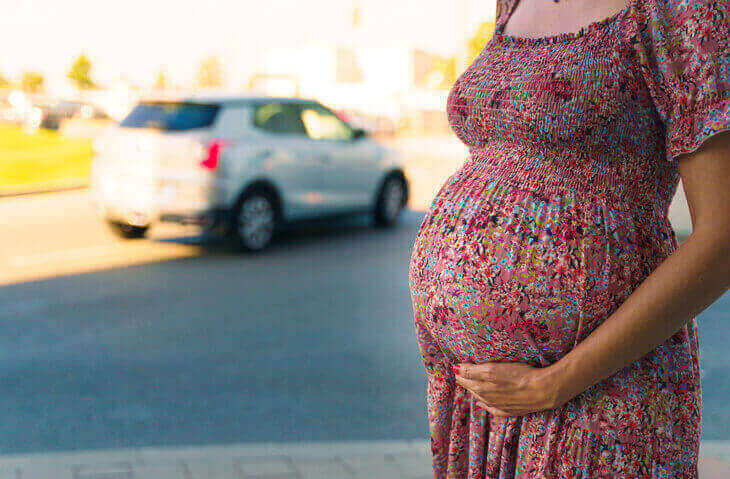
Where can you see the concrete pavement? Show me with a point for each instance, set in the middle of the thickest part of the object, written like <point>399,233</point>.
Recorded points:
<point>363,459</point>
<point>316,460</point>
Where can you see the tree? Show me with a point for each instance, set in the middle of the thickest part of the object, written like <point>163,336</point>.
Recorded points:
<point>80,73</point>
<point>446,68</point>
<point>161,82</point>
<point>433,71</point>
<point>479,39</point>
<point>32,82</point>
<point>210,73</point>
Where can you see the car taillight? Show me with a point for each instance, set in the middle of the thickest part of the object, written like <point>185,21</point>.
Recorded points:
<point>212,156</point>
<point>343,115</point>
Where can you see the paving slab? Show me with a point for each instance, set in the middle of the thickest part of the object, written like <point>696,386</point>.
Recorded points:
<point>317,460</point>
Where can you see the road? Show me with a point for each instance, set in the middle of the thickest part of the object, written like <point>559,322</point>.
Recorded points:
<point>310,340</point>
<point>176,340</point>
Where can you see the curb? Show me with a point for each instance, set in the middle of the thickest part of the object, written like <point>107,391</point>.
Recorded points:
<point>58,189</point>
<point>316,460</point>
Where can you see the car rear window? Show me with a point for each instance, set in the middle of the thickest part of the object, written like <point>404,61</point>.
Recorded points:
<point>171,116</point>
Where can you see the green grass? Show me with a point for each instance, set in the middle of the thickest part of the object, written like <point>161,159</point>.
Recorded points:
<point>41,160</point>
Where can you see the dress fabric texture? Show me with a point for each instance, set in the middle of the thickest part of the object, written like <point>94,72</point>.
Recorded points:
<point>557,214</point>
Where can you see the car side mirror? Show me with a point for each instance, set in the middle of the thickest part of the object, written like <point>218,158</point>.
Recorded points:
<point>358,133</point>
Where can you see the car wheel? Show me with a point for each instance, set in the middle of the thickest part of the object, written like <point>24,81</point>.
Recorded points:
<point>128,231</point>
<point>254,221</point>
<point>391,201</point>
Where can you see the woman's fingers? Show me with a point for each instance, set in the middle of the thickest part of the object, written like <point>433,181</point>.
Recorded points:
<point>499,387</point>
<point>472,371</point>
<point>470,384</point>
<point>504,389</point>
<point>485,390</point>
<point>480,401</point>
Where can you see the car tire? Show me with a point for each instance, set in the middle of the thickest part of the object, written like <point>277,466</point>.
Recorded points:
<point>391,200</point>
<point>127,231</point>
<point>254,221</point>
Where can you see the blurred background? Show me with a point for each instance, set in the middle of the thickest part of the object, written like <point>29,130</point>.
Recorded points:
<point>176,339</point>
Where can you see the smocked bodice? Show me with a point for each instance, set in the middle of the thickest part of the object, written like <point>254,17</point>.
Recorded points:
<point>566,113</point>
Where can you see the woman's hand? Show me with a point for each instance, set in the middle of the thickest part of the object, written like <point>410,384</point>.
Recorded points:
<point>511,389</point>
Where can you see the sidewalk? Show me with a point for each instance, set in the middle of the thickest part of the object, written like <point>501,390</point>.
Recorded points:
<point>340,460</point>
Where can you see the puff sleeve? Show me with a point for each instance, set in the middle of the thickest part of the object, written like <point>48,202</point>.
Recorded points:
<point>682,49</point>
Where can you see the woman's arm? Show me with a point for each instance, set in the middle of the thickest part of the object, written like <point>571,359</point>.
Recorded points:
<point>681,287</point>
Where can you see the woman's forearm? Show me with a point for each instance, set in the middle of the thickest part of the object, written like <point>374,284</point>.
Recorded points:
<point>681,287</point>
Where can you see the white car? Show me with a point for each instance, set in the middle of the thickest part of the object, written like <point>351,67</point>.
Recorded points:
<point>245,165</point>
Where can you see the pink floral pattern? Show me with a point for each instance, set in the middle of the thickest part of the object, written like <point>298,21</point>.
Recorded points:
<point>556,216</point>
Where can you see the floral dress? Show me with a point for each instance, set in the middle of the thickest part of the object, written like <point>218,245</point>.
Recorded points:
<point>557,214</point>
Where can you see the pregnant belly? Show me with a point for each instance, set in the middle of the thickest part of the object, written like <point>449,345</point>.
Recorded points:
<point>496,273</point>
<point>501,273</point>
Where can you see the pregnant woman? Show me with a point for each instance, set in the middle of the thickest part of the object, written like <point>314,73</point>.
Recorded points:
<point>554,307</point>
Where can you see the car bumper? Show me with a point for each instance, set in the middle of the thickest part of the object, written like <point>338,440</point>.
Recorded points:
<point>141,201</point>
<point>209,219</point>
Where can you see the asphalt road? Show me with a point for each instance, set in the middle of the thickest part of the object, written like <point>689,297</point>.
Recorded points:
<point>174,341</point>
<point>311,340</point>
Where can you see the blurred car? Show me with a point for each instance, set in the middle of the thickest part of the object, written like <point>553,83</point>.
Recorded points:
<point>377,126</point>
<point>243,165</point>
<point>19,108</point>
<point>54,115</point>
